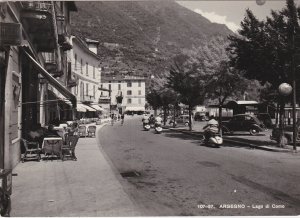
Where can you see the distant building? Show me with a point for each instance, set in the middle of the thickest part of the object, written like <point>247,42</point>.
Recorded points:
<point>86,73</point>
<point>132,88</point>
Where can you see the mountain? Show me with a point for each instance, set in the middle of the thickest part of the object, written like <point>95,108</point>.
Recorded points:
<point>142,36</point>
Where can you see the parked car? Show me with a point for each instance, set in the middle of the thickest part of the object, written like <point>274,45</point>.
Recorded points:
<point>266,119</point>
<point>287,134</point>
<point>182,119</point>
<point>200,117</point>
<point>243,122</point>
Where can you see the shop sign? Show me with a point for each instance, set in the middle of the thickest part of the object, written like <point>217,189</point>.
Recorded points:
<point>10,34</point>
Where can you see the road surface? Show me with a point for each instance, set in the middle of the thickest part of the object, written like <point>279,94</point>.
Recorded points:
<point>172,174</point>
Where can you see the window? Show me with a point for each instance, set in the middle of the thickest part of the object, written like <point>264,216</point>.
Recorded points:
<point>140,101</point>
<point>94,73</point>
<point>87,68</point>
<point>129,92</point>
<point>109,88</point>
<point>129,84</point>
<point>119,86</point>
<point>128,100</point>
<point>75,61</point>
<point>76,90</point>
<point>87,89</point>
<point>94,89</point>
<point>139,83</point>
<point>140,92</point>
<point>81,66</point>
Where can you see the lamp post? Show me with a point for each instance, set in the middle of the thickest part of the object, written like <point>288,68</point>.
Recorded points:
<point>286,89</point>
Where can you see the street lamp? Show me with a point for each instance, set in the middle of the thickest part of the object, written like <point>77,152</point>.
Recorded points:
<point>286,89</point>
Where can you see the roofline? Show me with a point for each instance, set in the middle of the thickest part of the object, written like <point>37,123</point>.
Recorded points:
<point>82,45</point>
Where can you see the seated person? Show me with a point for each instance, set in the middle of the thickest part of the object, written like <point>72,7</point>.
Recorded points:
<point>51,132</point>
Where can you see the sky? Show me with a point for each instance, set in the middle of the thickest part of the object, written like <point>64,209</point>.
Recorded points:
<point>231,13</point>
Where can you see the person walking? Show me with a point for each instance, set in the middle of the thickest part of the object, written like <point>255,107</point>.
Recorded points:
<point>73,138</point>
<point>112,116</point>
<point>122,119</point>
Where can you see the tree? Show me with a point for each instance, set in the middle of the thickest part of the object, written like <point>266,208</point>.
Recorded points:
<point>188,80</point>
<point>264,49</point>
<point>226,82</point>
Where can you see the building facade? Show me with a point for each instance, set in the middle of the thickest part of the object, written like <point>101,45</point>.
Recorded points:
<point>33,44</point>
<point>86,70</point>
<point>131,88</point>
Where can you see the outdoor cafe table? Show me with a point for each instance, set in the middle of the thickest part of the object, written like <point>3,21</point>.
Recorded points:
<point>53,145</point>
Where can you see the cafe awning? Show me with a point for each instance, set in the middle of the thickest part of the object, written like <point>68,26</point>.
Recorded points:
<point>86,107</point>
<point>80,108</point>
<point>137,108</point>
<point>63,90</point>
<point>97,107</point>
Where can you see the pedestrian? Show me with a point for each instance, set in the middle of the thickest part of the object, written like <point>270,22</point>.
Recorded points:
<point>73,138</point>
<point>122,119</point>
<point>112,116</point>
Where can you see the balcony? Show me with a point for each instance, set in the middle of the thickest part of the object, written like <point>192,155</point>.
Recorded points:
<point>104,100</point>
<point>37,19</point>
<point>73,81</point>
<point>51,64</point>
<point>87,98</point>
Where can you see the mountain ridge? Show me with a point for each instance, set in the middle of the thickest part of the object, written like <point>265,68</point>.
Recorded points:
<point>142,37</point>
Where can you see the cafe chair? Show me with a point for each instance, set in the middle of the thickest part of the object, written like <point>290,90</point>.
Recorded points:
<point>32,151</point>
<point>66,151</point>
<point>82,131</point>
<point>91,131</point>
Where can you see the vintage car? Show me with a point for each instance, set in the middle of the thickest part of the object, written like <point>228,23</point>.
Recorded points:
<point>182,119</point>
<point>242,123</point>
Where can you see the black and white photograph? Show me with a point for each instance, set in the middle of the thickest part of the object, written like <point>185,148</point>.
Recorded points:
<point>150,108</point>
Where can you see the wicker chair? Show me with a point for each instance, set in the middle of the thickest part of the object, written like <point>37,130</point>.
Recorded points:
<point>82,131</point>
<point>32,151</point>
<point>91,131</point>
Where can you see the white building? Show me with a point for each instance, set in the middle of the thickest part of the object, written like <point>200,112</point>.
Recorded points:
<point>86,74</point>
<point>132,88</point>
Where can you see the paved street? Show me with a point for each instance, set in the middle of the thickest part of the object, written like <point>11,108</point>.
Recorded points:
<point>176,176</point>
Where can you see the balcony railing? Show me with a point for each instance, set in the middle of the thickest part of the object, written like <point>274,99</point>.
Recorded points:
<point>38,21</point>
<point>73,81</point>
<point>51,64</point>
<point>87,98</point>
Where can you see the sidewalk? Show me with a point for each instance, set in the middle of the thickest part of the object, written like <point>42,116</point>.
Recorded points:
<point>261,141</point>
<point>86,187</point>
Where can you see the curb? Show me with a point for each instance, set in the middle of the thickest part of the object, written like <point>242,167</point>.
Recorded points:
<point>265,148</point>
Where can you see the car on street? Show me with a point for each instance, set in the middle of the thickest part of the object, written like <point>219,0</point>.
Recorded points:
<point>200,117</point>
<point>182,119</point>
<point>242,123</point>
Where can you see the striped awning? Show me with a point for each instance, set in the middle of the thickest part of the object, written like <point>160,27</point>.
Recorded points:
<point>97,107</point>
<point>80,108</point>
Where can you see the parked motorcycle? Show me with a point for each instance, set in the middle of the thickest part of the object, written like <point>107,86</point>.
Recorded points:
<point>215,140</point>
<point>146,125</point>
<point>158,128</point>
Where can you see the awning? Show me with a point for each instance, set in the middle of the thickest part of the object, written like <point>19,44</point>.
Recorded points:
<point>135,108</point>
<point>86,107</point>
<point>97,107</point>
<point>80,108</point>
<point>104,89</point>
<point>65,92</point>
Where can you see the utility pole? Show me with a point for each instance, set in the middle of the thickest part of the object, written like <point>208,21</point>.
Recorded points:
<point>294,90</point>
